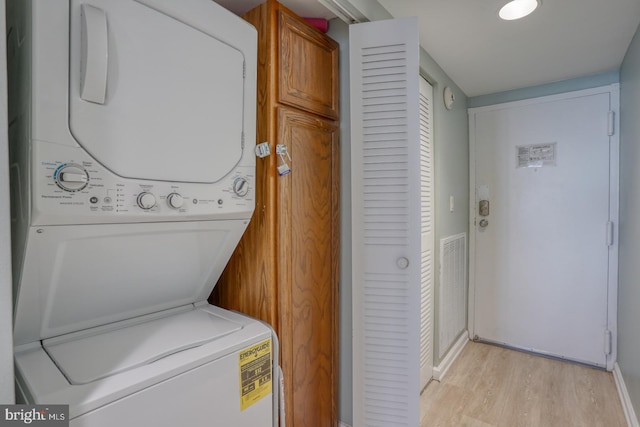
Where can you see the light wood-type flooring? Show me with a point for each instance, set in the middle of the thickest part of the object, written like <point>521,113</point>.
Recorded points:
<point>493,386</point>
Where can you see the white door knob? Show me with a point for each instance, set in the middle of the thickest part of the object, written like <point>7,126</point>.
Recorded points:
<point>402,263</point>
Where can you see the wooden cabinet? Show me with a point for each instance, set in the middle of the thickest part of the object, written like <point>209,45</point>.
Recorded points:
<point>285,269</point>
<point>308,68</point>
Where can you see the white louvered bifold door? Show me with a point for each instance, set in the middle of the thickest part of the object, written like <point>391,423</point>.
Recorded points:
<point>386,210</point>
<point>426,232</point>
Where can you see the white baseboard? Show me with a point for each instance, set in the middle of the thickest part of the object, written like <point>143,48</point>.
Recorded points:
<point>343,424</point>
<point>627,406</point>
<point>441,370</point>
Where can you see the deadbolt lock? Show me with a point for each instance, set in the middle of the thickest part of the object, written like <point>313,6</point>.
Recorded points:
<point>483,208</point>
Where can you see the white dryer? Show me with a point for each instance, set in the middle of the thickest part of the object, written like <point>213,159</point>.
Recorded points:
<point>132,134</point>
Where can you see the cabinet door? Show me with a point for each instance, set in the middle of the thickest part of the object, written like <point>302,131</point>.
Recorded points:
<point>308,68</point>
<point>308,259</point>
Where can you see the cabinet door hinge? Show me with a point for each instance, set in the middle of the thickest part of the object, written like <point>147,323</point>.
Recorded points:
<point>607,342</point>
<point>609,233</point>
<point>611,123</point>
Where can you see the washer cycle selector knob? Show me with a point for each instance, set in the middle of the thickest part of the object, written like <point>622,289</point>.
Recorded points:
<point>175,200</point>
<point>146,200</point>
<point>241,186</point>
<point>71,177</point>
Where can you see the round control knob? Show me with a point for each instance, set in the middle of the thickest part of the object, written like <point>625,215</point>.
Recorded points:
<point>146,200</point>
<point>241,186</point>
<point>175,200</point>
<point>71,177</point>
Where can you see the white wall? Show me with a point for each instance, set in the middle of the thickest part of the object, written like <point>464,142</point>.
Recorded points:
<point>629,245</point>
<point>6,322</point>
<point>451,174</point>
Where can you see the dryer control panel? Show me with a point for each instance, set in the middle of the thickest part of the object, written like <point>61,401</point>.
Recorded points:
<point>72,188</point>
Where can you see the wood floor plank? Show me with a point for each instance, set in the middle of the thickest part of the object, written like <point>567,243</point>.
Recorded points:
<point>491,389</point>
<point>490,386</point>
<point>524,397</point>
<point>447,406</point>
<point>558,395</point>
<point>594,403</point>
<point>472,422</point>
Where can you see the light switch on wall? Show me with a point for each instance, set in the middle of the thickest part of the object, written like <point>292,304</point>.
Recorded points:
<point>450,203</point>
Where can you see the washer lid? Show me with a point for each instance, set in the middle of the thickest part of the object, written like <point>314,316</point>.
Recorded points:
<point>94,357</point>
<point>151,97</point>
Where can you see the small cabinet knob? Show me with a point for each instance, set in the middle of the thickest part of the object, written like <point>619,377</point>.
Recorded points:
<point>402,263</point>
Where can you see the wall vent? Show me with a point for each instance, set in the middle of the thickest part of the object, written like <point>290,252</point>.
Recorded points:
<point>452,290</point>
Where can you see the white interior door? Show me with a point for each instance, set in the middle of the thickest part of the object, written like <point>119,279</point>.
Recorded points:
<point>386,222</point>
<point>541,267</point>
<point>426,233</point>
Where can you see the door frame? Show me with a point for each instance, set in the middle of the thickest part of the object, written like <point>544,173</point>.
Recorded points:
<point>614,197</point>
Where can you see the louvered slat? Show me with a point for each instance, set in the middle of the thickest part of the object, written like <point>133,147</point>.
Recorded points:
<point>385,143</point>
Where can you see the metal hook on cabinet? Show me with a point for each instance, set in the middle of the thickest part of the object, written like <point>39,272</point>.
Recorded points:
<point>283,168</point>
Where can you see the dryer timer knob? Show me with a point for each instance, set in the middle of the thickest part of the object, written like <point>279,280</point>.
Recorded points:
<point>241,186</point>
<point>71,177</point>
<point>146,200</point>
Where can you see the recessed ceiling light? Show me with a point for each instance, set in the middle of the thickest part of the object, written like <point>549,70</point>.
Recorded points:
<point>517,9</point>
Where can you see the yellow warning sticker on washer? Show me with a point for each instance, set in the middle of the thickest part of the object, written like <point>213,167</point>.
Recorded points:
<point>255,373</point>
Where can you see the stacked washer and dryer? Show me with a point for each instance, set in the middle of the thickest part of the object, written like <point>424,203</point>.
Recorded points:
<point>132,126</point>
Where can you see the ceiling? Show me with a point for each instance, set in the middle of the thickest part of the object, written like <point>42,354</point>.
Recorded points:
<point>562,39</point>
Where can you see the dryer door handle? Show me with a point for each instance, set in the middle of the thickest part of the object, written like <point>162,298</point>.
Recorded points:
<point>95,54</point>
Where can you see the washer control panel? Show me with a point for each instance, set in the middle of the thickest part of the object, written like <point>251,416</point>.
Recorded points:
<point>72,188</point>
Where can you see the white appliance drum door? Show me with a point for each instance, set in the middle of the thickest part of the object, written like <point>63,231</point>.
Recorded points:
<point>173,94</point>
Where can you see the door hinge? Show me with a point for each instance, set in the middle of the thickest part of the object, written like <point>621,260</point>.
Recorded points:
<point>611,123</point>
<point>607,342</point>
<point>609,233</point>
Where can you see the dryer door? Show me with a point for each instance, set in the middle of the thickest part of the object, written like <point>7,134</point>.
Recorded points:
<point>151,97</point>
